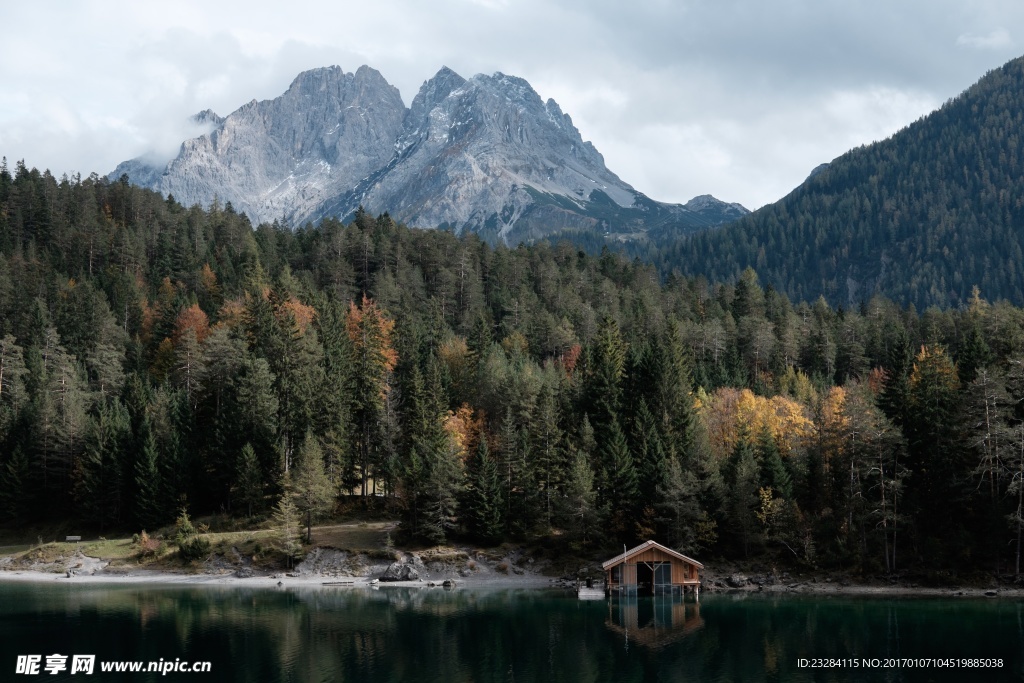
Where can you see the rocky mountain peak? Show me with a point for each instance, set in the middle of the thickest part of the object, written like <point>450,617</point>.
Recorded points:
<point>208,116</point>
<point>484,154</point>
<point>433,92</point>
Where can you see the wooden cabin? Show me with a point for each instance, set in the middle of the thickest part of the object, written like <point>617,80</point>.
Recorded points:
<point>651,569</point>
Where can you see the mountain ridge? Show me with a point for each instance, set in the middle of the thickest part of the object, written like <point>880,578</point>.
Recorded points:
<point>922,217</point>
<point>484,154</point>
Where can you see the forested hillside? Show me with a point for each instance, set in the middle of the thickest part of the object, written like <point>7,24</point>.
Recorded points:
<point>922,217</point>
<point>154,357</point>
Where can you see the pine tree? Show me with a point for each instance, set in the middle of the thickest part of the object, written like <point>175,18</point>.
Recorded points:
<point>620,496</point>
<point>188,360</point>
<point>679,507</point>
<point>742,482</point>
<point>673,402</point>
<point>147,510</point>
<point>312,489</point>
<point>12,385</point>
<point>442,491</point>
<point>936,456</point>
<point>546,446</point>
<point>15,493</point>
<point>374,359</point>
<point>606,369</point>
<point>650,453</point>
<point>256,414</point>
<point>191,544</point>
<point>897,377</point>
<point>249,480</point>
<point>485,516</point>
<point>99,479</point>
<point>772,470</point>
<point>581,503</point>
<point>287,536</point>
<point>297,363</point>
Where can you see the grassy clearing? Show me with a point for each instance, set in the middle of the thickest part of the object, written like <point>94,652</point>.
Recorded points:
<point>113,549</point>
<point>15,549</point>
<point>356,537</point>
<point>228,541</point>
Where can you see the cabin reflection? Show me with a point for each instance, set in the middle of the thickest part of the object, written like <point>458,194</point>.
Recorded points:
<point>653,622</point>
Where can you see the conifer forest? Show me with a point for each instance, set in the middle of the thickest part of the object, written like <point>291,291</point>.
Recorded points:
<point>156,357</point>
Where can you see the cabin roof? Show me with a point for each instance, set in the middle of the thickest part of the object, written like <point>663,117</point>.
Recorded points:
<point>644,546</point>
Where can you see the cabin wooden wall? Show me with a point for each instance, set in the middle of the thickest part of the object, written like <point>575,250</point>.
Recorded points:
<point>682,572</point>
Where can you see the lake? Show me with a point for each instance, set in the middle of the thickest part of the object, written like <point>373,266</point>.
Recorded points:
<point>363,635</point>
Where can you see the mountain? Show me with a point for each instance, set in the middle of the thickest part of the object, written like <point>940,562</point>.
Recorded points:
<point>485,154</point>
<point>283,158</point>
<point>921,217</point>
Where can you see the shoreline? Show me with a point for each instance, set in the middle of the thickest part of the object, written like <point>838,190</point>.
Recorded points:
<point>162,577</point>
<point>143,577</point>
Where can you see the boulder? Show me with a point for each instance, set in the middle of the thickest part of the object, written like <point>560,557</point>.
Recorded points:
<point>400,572</point>
<point>736,581</point>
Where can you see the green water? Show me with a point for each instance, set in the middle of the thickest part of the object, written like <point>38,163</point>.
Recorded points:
<point>362,635</point>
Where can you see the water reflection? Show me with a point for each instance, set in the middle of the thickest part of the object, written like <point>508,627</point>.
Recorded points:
<point>345,634</point>
<point>653,622</point>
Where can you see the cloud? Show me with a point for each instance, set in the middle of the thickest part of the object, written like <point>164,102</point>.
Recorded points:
<point>739,98</point>
<point>996,40</point>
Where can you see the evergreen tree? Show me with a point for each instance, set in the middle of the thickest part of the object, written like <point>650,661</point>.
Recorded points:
<point>374,359</point>
<point>546,446</point>
<point>581,503</point>
<point>485,518</point>
<point>442,492</point>
<point>12,386</point>
<point>936,457</point>
<point>772,470</point>
<point>99,479</point>
<point>147,511</point>
<point>15,492</point>
<point>191,544</point>
<point>287,536</point>
<point>605,372</point>
<point>622,492</point>
<point>249,478</point>
<point>743,484</point>
<point>312,489</point>
<point>650,463</point>
<point>679,508</point>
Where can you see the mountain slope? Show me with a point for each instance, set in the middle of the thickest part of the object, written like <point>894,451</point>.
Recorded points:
<point>921,217</point>
<point>283,158</point>
<point>484,154</point>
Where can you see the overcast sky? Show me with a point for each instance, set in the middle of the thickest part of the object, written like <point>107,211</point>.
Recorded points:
<point>735,98</point>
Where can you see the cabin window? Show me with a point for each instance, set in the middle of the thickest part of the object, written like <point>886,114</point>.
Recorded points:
<point>662,573</point>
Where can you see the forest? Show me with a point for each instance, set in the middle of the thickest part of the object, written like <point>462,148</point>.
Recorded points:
<point>922,217</point>
<point>156,357</point>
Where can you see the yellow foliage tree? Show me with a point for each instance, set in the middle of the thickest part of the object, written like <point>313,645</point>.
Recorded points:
<point>725,410</point>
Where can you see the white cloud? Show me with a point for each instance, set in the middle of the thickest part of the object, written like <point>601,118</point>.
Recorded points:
<point>996,40</point>
<point>738,98</point>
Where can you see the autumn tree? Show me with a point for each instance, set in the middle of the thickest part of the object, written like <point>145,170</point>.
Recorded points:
<point>374,357</point>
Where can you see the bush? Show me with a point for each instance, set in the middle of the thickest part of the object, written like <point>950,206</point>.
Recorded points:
<point>191,546</point>
<point>146,546</point>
